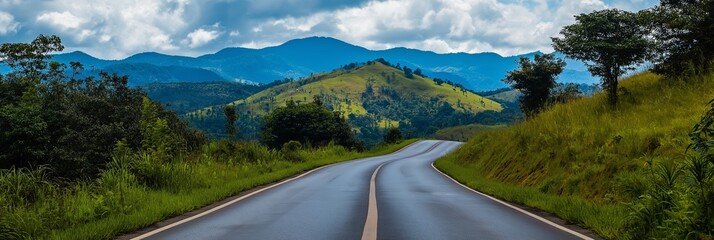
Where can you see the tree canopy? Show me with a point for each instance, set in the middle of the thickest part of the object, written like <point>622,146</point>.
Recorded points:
<point>610,42</point>
<point>72,125</point>
<point>309,124</point>
<point>535,79</point>
<point>683,31</point>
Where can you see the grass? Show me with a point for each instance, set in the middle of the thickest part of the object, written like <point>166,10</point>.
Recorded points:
<point>346,88</point>
<point>464,132</point>
<point>584,155</point>
<point>136,191</point>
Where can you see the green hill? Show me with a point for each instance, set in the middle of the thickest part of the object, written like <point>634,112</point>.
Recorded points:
<point>373,96</point>
<point>583,160</point>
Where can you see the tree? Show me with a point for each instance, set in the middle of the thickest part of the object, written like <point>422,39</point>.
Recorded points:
<point>418,72</point>
<point>307,123</point>
<point>609,41</point>
<point>408,72</point>
<point>535,79</point>
<point>563,93</point>
<point>683,30</point>
<point>231,118</point>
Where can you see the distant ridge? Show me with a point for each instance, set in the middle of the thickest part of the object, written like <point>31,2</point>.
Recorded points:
<point>302,57</point>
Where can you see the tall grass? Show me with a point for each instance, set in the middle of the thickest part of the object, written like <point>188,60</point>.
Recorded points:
<point>138,189</point>
<point>586,151</point>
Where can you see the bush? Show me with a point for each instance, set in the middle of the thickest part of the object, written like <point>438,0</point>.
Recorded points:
<point>306,123</point>
<point>393,136</point>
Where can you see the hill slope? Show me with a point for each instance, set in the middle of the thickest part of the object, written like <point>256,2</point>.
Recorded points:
<point>373,96</point>
<point>585,154</point>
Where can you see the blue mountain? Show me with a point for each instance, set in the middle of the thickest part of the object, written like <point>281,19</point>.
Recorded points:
<point>302,57</point>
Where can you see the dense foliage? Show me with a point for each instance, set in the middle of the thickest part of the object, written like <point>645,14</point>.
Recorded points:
<point>535,80</point>
<point>186,96</point>
<point>311,124</point>
<point>70,125</point>
<point>683,30</point>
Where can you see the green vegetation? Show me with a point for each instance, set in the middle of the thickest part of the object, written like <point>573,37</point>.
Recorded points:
<point>610,41</point>
<point>374,97</point>
<point>310,124</point>
<point>67,124</point>
<point>393,136</point>
<point>138,189</point>
<point>464,132</point>
<point>535,80</point>
<point>582,160</point>
<point>683,30</point>
<point>186,97</point>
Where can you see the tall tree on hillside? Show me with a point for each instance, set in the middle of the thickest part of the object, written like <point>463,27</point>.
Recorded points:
<point>683,30</point>
<point>609,41</point>
<point>231,118</point>
<point>535,79</point>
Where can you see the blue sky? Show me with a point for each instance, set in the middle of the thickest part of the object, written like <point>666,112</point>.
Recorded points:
<point>119,28</point>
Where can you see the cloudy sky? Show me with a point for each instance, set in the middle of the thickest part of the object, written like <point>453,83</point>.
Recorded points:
<point>119,28</point>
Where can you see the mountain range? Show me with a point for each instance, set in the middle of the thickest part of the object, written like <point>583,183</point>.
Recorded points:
<point>303,57</point>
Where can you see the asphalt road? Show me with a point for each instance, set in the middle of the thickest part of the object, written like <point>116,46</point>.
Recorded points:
<point>409,200</point>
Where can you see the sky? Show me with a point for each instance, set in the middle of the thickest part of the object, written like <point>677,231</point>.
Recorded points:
<point>120,28</point>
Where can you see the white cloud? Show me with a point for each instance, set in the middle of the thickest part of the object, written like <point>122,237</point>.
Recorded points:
<point>200,37</point>
<point>62,20</point>
<point>116,29</point>
<point>119,28</point>
<point>506,28</point>
<point>8,23</point>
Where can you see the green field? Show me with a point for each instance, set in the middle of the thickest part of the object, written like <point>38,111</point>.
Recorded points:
<point>579,159</point>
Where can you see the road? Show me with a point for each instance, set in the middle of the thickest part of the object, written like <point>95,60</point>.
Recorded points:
<point>395,196</point>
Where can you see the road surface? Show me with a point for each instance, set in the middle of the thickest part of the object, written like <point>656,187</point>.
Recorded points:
<point>395,196</point>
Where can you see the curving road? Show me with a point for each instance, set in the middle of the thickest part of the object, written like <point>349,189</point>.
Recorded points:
<point>395,196</point>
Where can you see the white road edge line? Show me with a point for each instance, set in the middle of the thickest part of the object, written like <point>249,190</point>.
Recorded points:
<point>577,234</point>
<point>370,225</point>
<point>164,228</point>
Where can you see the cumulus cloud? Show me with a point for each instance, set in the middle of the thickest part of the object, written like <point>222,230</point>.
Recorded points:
<point>201,36</point>
<point>62,20</point>
<point>446,26</point>
<point>119,28</point>
<point>7,23</point>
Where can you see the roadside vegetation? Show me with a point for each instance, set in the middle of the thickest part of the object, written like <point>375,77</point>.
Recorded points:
<point>91,158</point>
<point>633,162</point>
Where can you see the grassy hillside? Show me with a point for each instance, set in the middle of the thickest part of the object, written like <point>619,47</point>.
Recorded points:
<point>464,132</point>
<point>347,86</point>
<point>505,96</point>
<point>373,96</point>
<point>582,160</point>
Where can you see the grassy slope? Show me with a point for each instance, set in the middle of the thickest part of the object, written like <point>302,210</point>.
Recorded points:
<point>350,84</point>
<point>571,159</point>
<point>464,132</point>
<point>507,96</point>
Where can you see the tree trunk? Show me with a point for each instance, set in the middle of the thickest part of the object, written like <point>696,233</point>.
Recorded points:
<point>612,91</point>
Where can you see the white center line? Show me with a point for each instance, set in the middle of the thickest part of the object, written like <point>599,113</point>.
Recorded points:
<point>370,225</point>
